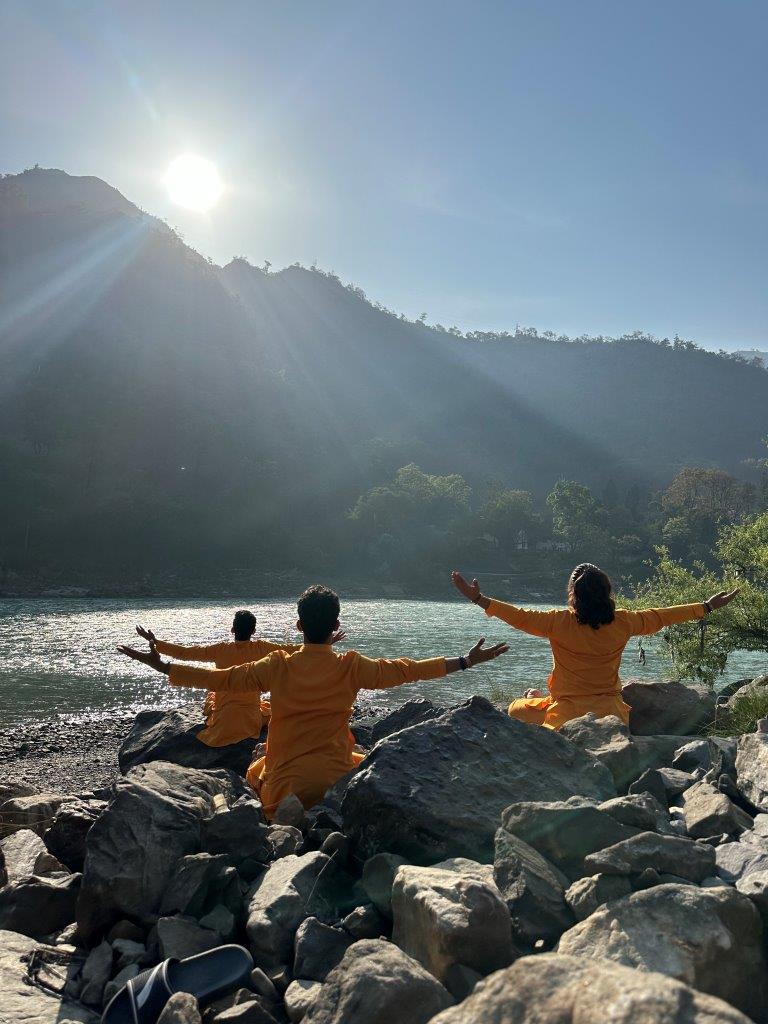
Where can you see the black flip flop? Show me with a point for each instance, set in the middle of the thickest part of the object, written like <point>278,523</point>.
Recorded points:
<point>205,976</point>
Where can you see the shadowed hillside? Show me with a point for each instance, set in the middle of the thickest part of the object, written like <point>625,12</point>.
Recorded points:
<point>156,408</point>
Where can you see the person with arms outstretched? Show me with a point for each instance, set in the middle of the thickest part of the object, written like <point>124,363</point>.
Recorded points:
<point>587,640</point>
<point>310,745</point>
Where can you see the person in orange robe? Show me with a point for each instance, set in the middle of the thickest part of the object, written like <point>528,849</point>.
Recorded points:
<point>587,640</point>
<point>310,745</point>
<point>229,717</point>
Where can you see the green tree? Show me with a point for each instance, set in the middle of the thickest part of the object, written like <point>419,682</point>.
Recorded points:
<point>578,518</point>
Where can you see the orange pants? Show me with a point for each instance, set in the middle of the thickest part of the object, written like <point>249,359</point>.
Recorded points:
<point>553,714</point>
<point>310,787</point>
<point>229,721</point>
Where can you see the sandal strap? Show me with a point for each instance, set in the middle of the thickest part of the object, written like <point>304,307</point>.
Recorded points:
<point>148,993</point>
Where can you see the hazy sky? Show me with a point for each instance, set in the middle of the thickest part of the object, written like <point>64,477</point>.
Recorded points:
<point>590,166</point>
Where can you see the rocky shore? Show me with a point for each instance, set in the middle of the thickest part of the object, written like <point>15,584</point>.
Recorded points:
<point>472,869</point>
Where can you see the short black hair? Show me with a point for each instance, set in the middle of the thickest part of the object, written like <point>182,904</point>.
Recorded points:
<point>318,609</point>
<point>244,625</point>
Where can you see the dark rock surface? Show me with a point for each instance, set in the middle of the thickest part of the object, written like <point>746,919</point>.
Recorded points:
<point>671,709</point>
<point>172,736</point>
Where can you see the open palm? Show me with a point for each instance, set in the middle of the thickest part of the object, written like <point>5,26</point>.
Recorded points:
<point>469,590</point>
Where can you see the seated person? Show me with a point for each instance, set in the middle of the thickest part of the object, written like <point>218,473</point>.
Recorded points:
<point>587,640</point>
<point>229,717</point>
<point>310,745</point>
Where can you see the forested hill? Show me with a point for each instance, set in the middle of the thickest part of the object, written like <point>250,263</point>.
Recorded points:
<point>155,407</point>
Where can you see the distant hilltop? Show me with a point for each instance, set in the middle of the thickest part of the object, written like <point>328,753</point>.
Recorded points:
<point>752,355</point>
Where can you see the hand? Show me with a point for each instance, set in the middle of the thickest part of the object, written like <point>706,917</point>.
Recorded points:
<point>470,590</point>
<point>148,635</point>
<point>151,658</point>
<point>722,598</point>
<point>479,654</point>
<point>338,636</point>
<point>533,693</point>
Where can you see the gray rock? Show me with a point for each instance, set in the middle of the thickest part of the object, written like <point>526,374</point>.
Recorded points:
<point>735,860</point>
<point>290,811</point>
<point>220,920</point>
<point>22,850</point>
<point>452,913</point>
<point>709,938</point>
<point>378,877</point>
<point>299,998</point>
<point>609,741</point>
<point>693,755</point>
<point>708,812</point>
<point>752,769</point>
<point>67,835</point>
<point>38,906</point>
<point>413,712</point>
<point>565,832</point>
<point>125,930</point>
<point>638,810</point>
<point>556,989</point>
<point>251,1012</point>
<point>126,951</point>
<point>318,949</point>
<point>437,789</point>
<point>377,983</point>
<point>677,856</point>
<point>461,981</point>
<point>120,979</point>
<point>365,922</point>
<point>284,841</point>
<point>34,812</point>
<point>533,889</point>
<point>200,882</point>
<point>153,820</point>
<point>755,886</point>
<point>587,894</point>
<point>279,901</point>
<point>183,936</point>
<point>240,832</point>
<point>25,1003</point>
<point>664,784</point>
<point>263,986</point>
<point>181,1008</point>
<point>97,971</point>
<point>172,736</point>
<point>671,709</point>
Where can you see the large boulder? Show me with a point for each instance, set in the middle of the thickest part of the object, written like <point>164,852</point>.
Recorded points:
<point>66,837</point>
<point>436,790</point>
<point>533,889</point>
<point>23,852</point>
<point>240,832</point>
<point>154,819</point>
<point>23,962</point>
<point>752,768</point>
<point>672,709</point>
<point>449,914</point>
<point>172,736</point>
<point>565,831</point>
<point>712,939</point>
<point>39,906</point>
<point>671,855</point>
<point>34,812</point>
<point>377,983</point>
<point>556,989</point>
<point>413,712</point>
<point>736,860</point>
<point>609,741</point>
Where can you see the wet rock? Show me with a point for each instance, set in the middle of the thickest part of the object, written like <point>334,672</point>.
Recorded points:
<point>299,998</point>
<point>671,854</point>
<point>452,913</point>
<point>22,1002</point>
<point>182,937</point>
<point>671,709</point>
<point>437,789</point>
<point>154,819</point>
<point>752,769</point>
<point>377,982</point>
<point>318,949</point>
<point>565,832</point>
<point>709,938</point>
<point>378,878</point>
<point>287,892</point>
<point>412,712</point>
<point>66,837</point>
<point>533,889</point>
<point>556,989</point>
<point>38,906</point>
<point>172,736</point>
<point>587,894</point>
<point>708,812</point>
<point>181,1008</point>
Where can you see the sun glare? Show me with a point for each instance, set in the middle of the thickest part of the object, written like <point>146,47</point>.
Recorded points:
<point>194,182</point>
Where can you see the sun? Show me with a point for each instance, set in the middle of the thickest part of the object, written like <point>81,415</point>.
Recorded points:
<point>194,182</point>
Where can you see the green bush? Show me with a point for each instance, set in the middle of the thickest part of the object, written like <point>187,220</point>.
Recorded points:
<point>744,712</point>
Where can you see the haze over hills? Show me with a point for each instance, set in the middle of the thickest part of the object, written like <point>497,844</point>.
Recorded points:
<point>157,409</point>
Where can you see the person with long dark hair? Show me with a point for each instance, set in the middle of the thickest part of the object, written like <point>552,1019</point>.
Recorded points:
<point>587,639</point>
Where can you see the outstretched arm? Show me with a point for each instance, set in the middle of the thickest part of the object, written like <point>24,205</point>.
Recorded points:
<point>533,622</point>
<point>384,673</point>
<point>256,676</point>
<point>182,652</point>
<point>651,620</point>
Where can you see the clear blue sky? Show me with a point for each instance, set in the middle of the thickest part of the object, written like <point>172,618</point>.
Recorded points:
<point>583,166</point>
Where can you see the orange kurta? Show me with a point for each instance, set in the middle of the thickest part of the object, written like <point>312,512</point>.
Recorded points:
<point>313,689</point>
<point>586,661</point>
<point>229,717</point>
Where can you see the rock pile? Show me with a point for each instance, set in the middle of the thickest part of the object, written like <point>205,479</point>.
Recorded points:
<point>472,869</point>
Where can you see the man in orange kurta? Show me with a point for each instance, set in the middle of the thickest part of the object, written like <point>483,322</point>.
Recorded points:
<point>229,717</point>
<point>310,745</point>
<point>586,661</point>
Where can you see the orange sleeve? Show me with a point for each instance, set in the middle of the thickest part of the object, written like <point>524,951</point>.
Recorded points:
<point>651,620</point>
<point>535,623</point>
<point>255,676</point>
<point>205,652</point>
<point>383,673</point>
<point>264,647</point>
